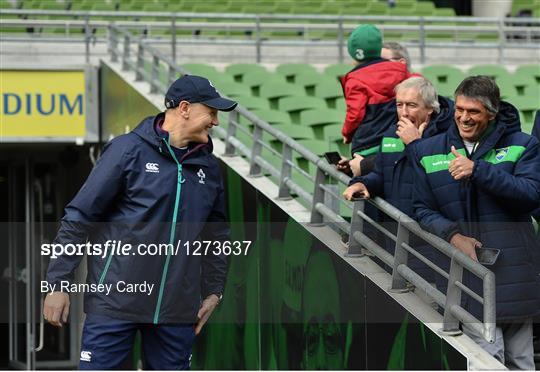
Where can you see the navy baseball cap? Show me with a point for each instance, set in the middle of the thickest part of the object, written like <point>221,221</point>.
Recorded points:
<point>196,89</point>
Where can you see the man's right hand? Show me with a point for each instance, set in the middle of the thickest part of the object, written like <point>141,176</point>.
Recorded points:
<point>56,308</point>
<point>356,190</point>
<point>466,244</point>
<point>344,167</point>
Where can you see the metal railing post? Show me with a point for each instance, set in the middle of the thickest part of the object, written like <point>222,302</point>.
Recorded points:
<point>453,298</point>
<point>399,284</point>
<point>357,224</point>
<point>87,38</point>
<point>140,62</point>
<point>258,39</point>
<point>341,38</point>
<point>254,168</point>
<point>172,74</point>
<point>422,40</point>
<point>231,132</point>
<point>489,307</point>
<point>285,174</point>
<point>173,38</point>
<point>125,55</point>
<point>113,42</point>
<point>318,197</point>
<point>502,40</point>
<point>155,74</point>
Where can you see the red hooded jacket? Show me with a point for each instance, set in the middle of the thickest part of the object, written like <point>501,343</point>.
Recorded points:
<point>369,84</point>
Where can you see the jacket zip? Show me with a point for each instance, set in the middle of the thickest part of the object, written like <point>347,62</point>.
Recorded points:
<point>179,182</point>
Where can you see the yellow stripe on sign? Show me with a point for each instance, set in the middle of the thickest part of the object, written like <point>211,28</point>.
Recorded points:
<point>42,104</point>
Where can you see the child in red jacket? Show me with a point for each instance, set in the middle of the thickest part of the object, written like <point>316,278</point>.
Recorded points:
<point>369,89</point>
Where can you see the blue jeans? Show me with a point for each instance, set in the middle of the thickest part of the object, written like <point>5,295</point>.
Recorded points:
<point>107,342</point>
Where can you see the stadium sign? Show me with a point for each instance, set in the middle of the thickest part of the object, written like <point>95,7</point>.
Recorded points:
<point>42,104</point>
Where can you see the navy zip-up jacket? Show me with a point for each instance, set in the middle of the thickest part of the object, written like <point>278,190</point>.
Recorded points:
<point>393,176</point>
<point>139,192</point>
<point>493,206</point>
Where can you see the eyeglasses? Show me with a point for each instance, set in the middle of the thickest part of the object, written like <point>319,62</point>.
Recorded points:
<point>330,333</point>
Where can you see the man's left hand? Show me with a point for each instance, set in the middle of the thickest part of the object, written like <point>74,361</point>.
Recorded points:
<point>461,167</point>
<point>408,132</point>
<point>207,307</point>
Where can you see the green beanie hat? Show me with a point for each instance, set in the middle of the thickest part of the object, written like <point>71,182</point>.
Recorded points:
<point>365,43</point>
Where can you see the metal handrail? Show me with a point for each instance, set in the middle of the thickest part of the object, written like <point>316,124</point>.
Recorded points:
<point>359,244</point>
<point>527,29</point>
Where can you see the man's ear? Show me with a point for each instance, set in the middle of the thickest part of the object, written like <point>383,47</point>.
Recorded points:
<point>184,109</point>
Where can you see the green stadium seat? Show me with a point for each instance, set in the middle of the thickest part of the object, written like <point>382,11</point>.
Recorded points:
<point>520,5</point>
<point>527,105</point>
<point>531,72</point>
<point>334,8</point>
<point>330,92</point>
<point>296,104</point>
<point>4,4</point>
<point>519,82</point>
<point>306,7</point>
<point>310,80</point>
<point>493,71</point>
<point>290,70</point>
<point>339,104</point>
<point>52,5</point>
<point>260,7</point>
<point>445,78</point>
<point>296,132</point>
<point>318,147</point>
<point>254,79</point>
<point>321,118</point>
<point>232,89</point>
<point>507,88</point>
<point>238,70</point>
<point>373,8</point>
<point>332,132</point>
<point>251,102</point>
<point>533,91</point>
<point>424,8</point>
<point>273,91</point>
<point>444,12</point>
<point>338,69</point>
<point>273,117</point>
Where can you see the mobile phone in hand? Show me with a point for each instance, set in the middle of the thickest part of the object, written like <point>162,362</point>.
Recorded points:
<point>332,157</point>
<point>487,256</point>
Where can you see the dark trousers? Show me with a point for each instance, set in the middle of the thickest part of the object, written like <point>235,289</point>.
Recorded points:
<point>107,342</point>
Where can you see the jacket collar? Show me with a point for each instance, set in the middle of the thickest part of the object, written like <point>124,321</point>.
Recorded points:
<point>441,121</point>
<point>197,154</point>
<point>368,63</point>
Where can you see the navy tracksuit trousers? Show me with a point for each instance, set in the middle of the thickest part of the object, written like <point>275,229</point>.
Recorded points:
<point>107,342</point>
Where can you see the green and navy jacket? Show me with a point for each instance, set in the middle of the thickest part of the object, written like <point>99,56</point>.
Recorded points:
<point>140,192</point>
<point>393,175</point>
<point>493,206</point>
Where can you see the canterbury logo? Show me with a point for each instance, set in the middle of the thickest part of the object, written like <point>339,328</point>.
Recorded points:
<point>86,356</point>
<point>201,175</point>
<point>152,167</point>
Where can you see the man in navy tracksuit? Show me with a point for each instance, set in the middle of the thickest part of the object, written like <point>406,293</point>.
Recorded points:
<point>159,184</point>
<point>536,133</point>
<point>476,185</point>
<point>420,114</point>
